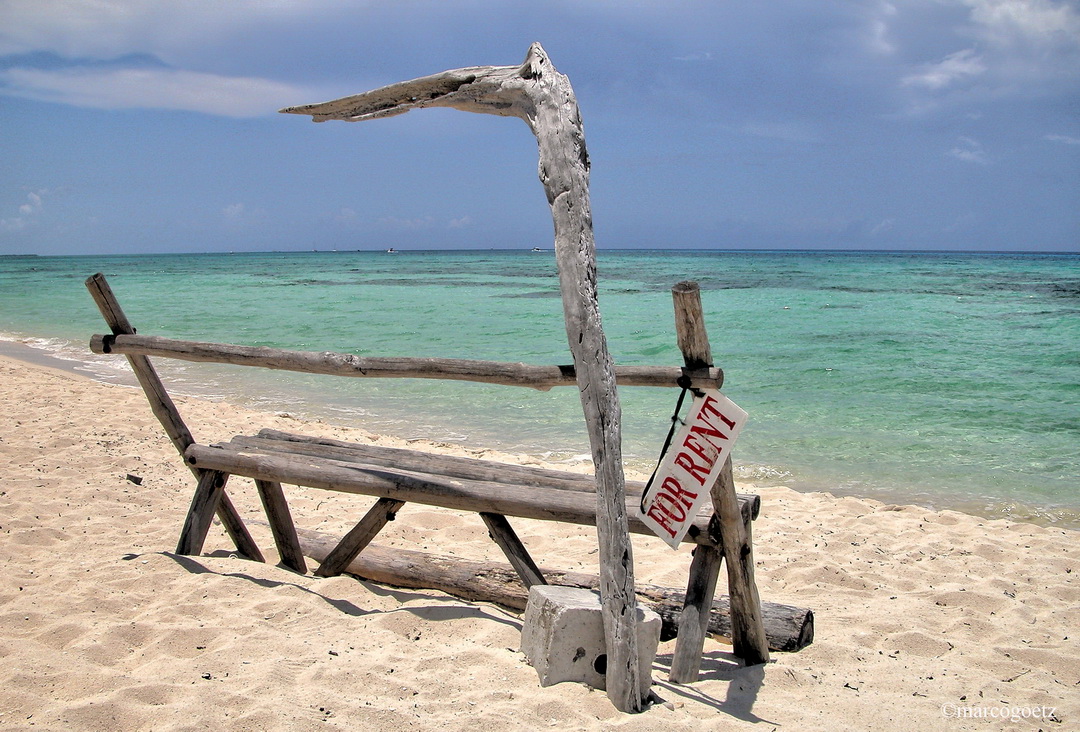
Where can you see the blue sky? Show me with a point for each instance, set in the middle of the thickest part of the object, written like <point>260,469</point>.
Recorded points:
<point>135,126</point>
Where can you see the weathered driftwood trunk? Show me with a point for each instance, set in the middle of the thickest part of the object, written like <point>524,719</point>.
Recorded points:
<point>787,627</point>
<point>544,99</point>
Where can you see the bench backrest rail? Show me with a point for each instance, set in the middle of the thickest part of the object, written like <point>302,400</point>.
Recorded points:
<point>346,364</point>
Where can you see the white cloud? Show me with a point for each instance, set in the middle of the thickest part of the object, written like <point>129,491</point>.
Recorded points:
<point>953,68</point>
<point>27,212</point>
<point>109,28</point>
<point>238,216</point>
<point>1011,49</point>
<point>877,36</point>
<point>695,57</point>
<point>1038,21</point>
<point>1063,139</point>
<point>460,223</point>
<point>884,227</point>
<point>970,151</point>
<point>152,88</point>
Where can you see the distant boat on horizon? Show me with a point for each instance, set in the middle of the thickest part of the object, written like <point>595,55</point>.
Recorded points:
<point>391,250</point>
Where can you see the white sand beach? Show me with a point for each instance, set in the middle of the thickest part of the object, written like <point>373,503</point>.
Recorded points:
<point>924,620</point>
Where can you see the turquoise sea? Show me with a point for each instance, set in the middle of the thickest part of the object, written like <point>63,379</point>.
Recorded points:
<point>946,380</point>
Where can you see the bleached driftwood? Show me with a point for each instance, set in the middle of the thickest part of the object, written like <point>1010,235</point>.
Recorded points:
<point>538,94</point>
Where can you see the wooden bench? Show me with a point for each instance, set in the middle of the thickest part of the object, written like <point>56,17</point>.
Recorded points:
<point>398,476</point>
<point>395,476</point>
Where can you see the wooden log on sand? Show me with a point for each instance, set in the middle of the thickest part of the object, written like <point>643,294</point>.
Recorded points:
<point>788,628</point>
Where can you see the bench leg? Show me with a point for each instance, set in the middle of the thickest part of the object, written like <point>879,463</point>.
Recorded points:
<point>694,620</point>
<point>234,525</point>
<point>748,638</point>
<point>360,536</point>
<point>203,506</point>
<point>281,525</point>
<point>503,535</point>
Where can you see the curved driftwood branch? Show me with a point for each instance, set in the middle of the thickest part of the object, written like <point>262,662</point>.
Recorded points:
<point>540,95</point>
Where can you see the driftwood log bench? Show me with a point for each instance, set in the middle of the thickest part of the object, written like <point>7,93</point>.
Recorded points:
<point>396,476</point>
<point>538,94</point>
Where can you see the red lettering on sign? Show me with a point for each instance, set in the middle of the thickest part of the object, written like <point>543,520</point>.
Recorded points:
<point>678,487</point>
<point>710,405</point>
<point>697,472</point>
<point>670,504</point>
<point>661,517</point>
<point>675,489</point>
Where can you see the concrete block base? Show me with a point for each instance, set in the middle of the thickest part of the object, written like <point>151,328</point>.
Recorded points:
<point>563,637</point>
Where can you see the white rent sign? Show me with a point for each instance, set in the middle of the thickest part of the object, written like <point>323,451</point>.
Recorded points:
<point>691,465</point>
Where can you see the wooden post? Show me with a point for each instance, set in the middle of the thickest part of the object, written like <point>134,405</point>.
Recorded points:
<point>504,535</point>
<point>281,524</point>
<point>748,632</point>
<point>544,99</point>
<point>203,505</point>
<point>384,511</point>
<point>165,410</point>
<point>693,341</point>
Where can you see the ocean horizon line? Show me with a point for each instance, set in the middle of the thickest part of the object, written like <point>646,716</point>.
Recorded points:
<point>537,250</point>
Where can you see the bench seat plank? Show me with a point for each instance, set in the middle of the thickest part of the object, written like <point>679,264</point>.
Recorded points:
<point>274,441</point>
<point>524,501</point>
